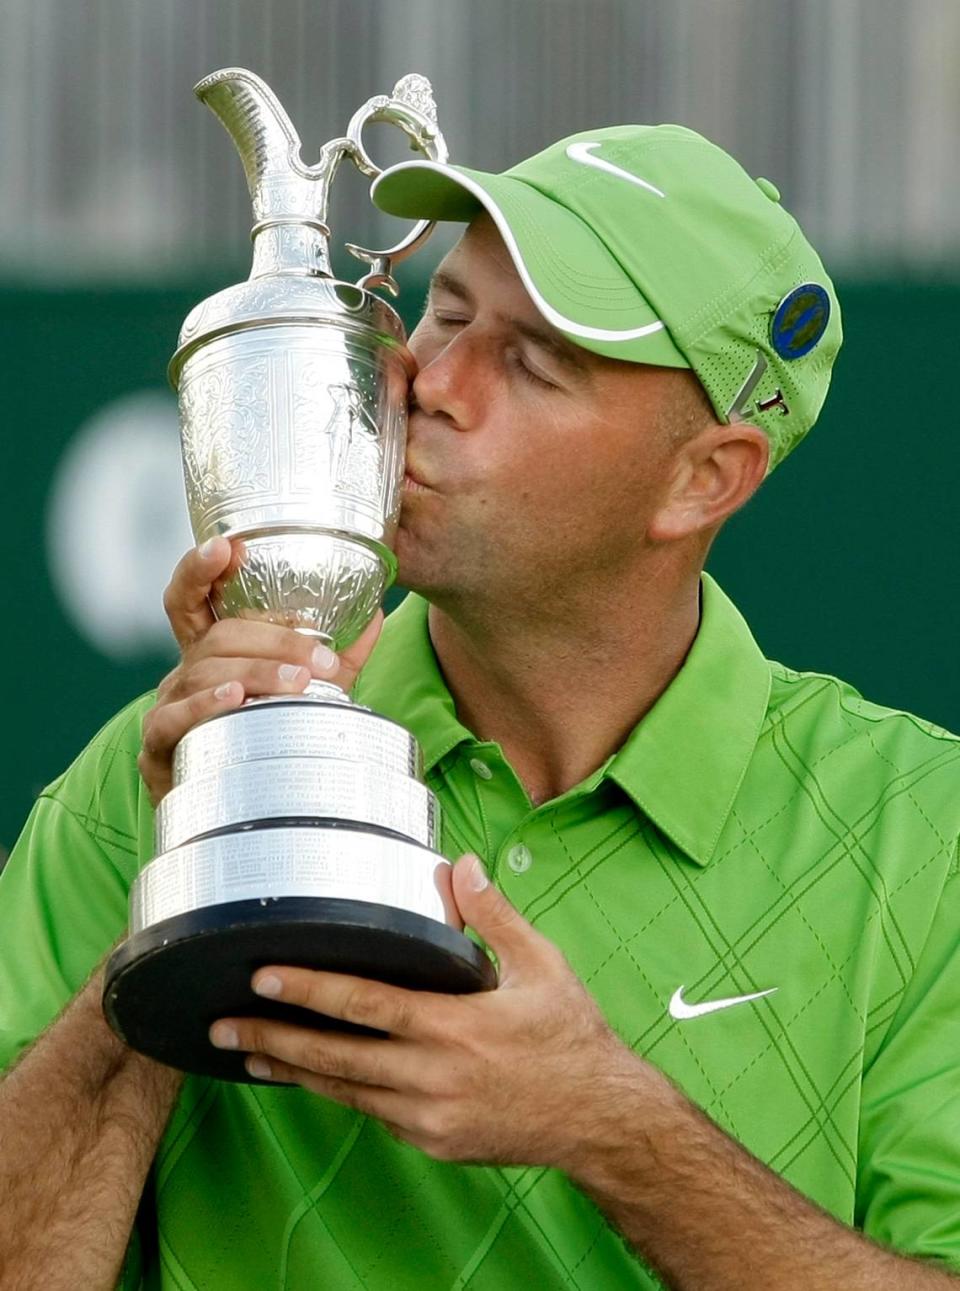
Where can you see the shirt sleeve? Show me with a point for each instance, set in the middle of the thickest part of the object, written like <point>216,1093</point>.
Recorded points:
<point>908,1187</point>
<point>63,891</point>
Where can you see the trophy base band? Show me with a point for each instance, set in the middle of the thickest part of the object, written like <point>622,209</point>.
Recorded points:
<point>168,983</point>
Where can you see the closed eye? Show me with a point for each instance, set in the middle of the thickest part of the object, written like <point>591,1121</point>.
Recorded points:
<point>448,320</point>
<point>522,366</point>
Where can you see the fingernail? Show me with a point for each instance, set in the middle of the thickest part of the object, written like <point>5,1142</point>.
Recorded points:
<point>224,691</point>
<point>478,875</point>
<point>206,551</point>
<point>269,985</point>
<point>324,660</point>
<point>224,1036</point>
<point>289,671</point>
<point>258,1067</point>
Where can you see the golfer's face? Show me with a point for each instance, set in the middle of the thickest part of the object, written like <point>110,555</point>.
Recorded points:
<point>529,459</point>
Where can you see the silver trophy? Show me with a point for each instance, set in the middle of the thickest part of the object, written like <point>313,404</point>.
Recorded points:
<point>298,830</point>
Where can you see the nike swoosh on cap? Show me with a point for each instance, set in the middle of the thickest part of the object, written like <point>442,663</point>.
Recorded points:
<point>583,152</point>
<point>681,1010</point>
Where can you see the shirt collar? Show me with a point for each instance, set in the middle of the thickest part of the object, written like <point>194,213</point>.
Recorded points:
<point>682,764</point>
<point>402,680</point>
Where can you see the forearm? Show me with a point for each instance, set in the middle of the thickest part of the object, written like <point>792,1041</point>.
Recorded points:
<point>80,1119</point>
<point>710,1217</point>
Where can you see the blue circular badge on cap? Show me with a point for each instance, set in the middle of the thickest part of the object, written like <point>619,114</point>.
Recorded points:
<point>800,321</point>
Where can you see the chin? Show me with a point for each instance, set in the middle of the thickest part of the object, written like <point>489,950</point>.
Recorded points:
<point>415,573</point>
<point>410,571</point>
<point>433,565</point>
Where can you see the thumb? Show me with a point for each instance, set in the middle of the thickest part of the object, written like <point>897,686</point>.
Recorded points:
<point>185,599</point>
<point>353,658</point>
<point>488,912</point>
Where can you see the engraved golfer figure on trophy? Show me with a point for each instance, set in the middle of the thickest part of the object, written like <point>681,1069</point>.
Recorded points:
<point>298,829</point>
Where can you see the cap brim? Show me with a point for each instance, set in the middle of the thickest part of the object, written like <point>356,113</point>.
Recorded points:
<point>574,281</point>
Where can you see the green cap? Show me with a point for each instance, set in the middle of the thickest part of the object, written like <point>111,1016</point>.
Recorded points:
<point>651,244</point>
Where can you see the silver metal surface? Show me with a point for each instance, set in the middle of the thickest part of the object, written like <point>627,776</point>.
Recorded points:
<point>281,788</point>
<point>287,862</point>
<point>293,443</point>
<point>278,729</point>
<point>283,189</point>
<point>293,387</point>
<point>293,393</point>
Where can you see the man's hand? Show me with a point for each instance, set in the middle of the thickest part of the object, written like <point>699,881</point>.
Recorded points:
<point>225,661</point>
<point>530,1074</point>
<point>510,1076</point>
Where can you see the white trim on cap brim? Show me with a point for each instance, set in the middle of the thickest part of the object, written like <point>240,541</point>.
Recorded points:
<point>550,314</point>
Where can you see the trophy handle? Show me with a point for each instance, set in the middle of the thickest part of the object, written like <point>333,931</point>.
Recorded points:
<point>412,108</point>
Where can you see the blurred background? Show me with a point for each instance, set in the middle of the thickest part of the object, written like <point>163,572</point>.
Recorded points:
<point>122,203</point>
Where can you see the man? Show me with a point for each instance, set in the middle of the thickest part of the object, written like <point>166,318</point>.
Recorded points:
<point>719,884</point>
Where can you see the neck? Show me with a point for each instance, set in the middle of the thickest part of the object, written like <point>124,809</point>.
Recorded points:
<point>561,689</point>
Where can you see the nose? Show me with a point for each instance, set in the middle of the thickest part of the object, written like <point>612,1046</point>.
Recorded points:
<point>447,378</point>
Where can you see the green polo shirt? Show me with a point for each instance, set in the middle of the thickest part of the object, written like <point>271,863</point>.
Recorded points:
<point>760,830</point>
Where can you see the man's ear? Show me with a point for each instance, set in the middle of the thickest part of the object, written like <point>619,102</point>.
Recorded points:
<point>716,472</point>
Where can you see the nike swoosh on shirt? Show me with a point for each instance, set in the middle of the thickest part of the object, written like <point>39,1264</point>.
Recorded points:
<point>681,1010</point>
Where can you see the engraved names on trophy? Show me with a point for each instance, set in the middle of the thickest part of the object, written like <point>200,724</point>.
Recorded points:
<point>270,864</point>
<point>303,788</point>
<point>288,728</point>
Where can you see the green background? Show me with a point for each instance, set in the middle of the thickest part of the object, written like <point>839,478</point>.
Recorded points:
<point>844,562</point>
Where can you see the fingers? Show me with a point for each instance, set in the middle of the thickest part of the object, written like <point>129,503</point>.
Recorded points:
<point>354,656</point>
<point>246,650</point>
<point>387,1105</point>
<point>231,660</point>
<point>514,941</point>
<point>266,660</point>
<point>186,602</point>
<point>352,999</point>
<point>443,878</point>
<point>225,661</point>
<point>165,725</point>
<point>185,599</point>
<point>326,1053</point>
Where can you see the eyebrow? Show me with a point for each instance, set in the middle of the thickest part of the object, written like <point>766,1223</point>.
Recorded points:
<point>558,347</point>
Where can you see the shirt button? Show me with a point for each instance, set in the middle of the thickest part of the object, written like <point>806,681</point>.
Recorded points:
<point>481,769</point>
<point>519,858</point>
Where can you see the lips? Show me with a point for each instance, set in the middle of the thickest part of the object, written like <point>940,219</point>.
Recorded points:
<point>412,480</point>
<point>421,432</point>
<point>413,471</point>
<point>413,483</point>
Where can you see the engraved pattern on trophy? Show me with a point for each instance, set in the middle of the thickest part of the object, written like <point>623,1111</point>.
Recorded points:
<point>298,829</point>
<point>339,431</point>
<point>321,585</point>
<point>229,451</point>
<point>356,441</point>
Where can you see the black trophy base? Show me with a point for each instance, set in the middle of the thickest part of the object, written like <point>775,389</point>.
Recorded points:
<point>166,985</point>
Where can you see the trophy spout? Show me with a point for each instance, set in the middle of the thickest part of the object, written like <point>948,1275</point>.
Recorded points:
<point>289,198</point>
